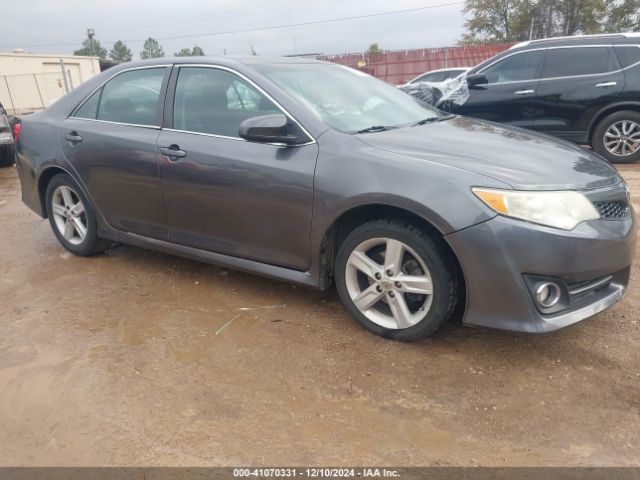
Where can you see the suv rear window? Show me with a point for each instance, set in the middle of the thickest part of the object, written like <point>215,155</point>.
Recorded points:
<point>570,62</point>
<point>628,55</point>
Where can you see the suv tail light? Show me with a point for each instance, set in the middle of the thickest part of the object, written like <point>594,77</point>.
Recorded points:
<point>17,128</point>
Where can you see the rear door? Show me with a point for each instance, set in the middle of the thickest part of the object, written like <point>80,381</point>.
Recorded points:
<point>577,82</point>
<point>111,142</point>
<point>511,94</point>
<point>225,194</point>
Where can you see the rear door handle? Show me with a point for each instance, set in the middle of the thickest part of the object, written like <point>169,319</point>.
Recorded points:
<point>173,152</point>
<point>524,92</point>
<point>73,137</point>
<point>606,84</point>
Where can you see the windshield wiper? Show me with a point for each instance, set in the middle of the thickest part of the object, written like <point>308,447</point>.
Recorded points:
<point>434,119</point>
<point>375,128</point>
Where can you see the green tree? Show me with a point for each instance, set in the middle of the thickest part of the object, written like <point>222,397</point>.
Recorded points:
<point>151,49</point>
<point>623,16</point>
<point>491,21</point>
<point>185,52</point>
<point>120,52</point>
<point>91,47</point>
<point>374,48</point>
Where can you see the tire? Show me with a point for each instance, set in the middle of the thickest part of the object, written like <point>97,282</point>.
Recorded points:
<point>7,155</point>
<point>63,191</point>
<point>614,123</point>
<point>423,258</point>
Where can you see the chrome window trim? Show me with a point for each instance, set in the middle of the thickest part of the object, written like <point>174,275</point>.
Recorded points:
<point>79,106</point>
<point>153,127</point>
<point>237,139</point>
<point>257,87</point>
<point>559,78</point>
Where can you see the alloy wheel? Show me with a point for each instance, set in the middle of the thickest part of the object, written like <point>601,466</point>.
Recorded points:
<point>622,138</point>
<point>389,283</point>
<point>69,215</point>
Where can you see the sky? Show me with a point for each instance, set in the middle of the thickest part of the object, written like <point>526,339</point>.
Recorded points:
<point>59,26</point>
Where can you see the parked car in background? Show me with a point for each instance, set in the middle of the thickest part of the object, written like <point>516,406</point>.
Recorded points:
<point>316,173</point>
<point>438,76</point>
<point>585,89</point>
<point>7,149</point>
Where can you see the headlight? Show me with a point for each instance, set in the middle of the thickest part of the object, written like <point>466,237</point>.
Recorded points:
<point>564,209</point>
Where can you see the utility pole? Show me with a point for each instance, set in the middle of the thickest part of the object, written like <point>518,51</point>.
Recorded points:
<point>90,34</point>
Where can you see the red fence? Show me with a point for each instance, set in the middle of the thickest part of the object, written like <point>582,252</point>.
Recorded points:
<point>400,66</point>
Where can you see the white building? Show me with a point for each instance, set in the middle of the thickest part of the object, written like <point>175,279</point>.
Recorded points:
<point>30,82</point>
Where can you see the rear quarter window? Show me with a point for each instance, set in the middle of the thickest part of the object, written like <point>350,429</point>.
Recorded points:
<point>628,55</point>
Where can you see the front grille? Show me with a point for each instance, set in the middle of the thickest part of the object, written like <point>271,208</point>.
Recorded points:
<point>612,209</point>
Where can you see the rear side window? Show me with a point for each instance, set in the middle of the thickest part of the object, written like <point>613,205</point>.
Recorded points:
<point>628,55</point>
<point>570,62</point>
<point>516,68</point>
<point>131,97</point>
<point>211,100</point>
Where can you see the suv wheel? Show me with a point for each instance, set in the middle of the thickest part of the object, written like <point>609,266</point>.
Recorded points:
<point>396,280</point>
<point>617,137</point>
<point>71,218</point>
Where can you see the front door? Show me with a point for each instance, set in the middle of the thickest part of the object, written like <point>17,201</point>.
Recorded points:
<point>111,142</point>
<point>511,94</point>
<point>225,194</point>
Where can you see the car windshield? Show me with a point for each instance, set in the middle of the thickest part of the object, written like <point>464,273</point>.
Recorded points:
<point>348,100</point>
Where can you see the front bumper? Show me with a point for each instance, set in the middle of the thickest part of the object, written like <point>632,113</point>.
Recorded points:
<point>496,255</point>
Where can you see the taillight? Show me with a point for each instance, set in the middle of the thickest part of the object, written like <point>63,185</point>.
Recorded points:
<point>17,128</point>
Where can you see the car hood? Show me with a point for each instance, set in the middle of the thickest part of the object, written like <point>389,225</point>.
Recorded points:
<point>523,159</point>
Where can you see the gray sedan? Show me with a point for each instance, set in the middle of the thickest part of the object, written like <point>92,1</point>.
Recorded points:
<point>317,174</point>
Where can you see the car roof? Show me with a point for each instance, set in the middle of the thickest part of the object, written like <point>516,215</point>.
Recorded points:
<point>576,40</point>
<point>446,70</point>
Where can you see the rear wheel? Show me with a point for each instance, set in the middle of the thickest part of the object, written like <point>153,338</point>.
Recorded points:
<point>71,218</point>
<point>617,137</point>
<point>396,280</point>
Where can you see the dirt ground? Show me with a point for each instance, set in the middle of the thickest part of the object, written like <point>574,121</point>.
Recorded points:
<point>128,358</point>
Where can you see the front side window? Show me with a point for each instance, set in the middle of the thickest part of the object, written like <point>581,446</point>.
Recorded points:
<point>570,62</point>
<point>215,101</point>
<point>345,99</point>
<point>131,97</point>
<point>516,68</point>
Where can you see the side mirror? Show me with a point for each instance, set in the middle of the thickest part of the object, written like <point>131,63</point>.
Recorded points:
<point>268,129</point>
<point>474,81</point>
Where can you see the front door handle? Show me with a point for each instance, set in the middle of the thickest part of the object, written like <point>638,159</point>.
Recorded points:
<point>73,137</point>
<point>524,92</point>
<point>173,152</point>
<point>606,84</point>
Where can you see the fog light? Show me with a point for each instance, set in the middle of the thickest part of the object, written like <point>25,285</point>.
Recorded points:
<point>548,294</point>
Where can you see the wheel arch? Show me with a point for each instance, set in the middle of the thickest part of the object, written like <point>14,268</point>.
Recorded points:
<point>355,216</point>
<point>608,110</point>
<point>43,181</point>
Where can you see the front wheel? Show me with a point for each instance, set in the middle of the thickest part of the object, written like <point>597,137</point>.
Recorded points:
<point>396,280</point>
<point>617,137</point>
<point>71,218</point>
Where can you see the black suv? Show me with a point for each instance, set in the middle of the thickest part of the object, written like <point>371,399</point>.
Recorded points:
<point>585,89</point>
